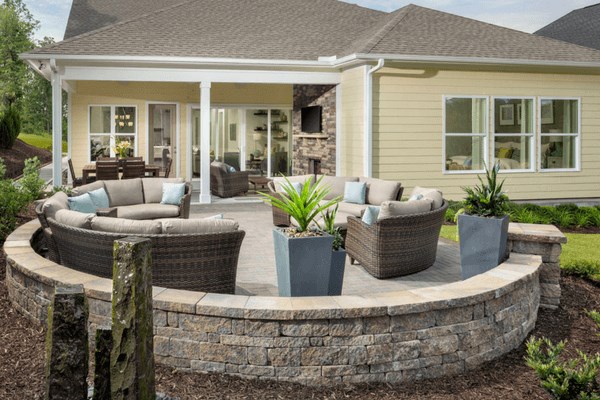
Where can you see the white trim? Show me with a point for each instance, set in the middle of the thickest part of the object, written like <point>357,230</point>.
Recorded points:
<point>176,151</point>
<point>577,136</point>
<point>146,74</point>
<point>338,130</point>
<point>485,135</point>
<point>322,62</point>
<point>368,118</point>
<point>205,107</point>
<point>532,135</point>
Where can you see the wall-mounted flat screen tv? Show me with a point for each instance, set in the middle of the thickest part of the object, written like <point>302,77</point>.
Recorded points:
<point>311,119</point>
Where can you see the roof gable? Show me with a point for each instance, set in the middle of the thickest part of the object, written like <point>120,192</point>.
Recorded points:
<point>581,27</point>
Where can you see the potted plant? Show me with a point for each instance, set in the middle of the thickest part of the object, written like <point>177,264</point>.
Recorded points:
<point>338,255</point>
<point>483,225</point>
<point>302,254</point>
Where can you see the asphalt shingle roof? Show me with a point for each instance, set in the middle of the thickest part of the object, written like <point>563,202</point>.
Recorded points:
<point>306,30</point>
<point>580,26</point>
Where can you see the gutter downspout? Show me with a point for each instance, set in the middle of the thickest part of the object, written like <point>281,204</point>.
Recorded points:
<point>368,119</point>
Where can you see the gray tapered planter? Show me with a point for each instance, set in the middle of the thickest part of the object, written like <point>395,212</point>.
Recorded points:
<point>482,243</point>
<point>303,264</point>
<point>336,276</point>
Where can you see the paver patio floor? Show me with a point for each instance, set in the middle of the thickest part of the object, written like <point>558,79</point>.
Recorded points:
<point>256,267</point>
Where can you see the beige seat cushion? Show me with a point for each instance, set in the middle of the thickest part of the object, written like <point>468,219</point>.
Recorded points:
<point>148,211</point>
<point>351,208</point>
<point>340,221</point>
<point>124,192</point>
<point>336,185</point>
<point>74,219</point>
<point>379,190</point>
<point>204,225</point>
<point>153,188</point>
<point>279,180</point>
<point>58,201</point>
<point>120,225</point>
<point>78,191</point>
<point>397,208</point>
<point>428,193</point>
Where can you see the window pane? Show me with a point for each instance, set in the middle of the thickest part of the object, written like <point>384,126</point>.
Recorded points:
<point>513,116</point>
<point>465,115</point>
<point>559,116</point>
<point>99,146</point>
<point>100,120</point>
<point>125,120</point>
<point>513,152</point>
<point>559,152</point>
<point>465,153</point>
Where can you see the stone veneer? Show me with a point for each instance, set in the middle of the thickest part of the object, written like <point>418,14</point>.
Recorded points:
<point>305,147</point>
<point>387,337</point>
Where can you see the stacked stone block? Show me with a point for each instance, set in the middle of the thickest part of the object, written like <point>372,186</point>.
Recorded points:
<point>545,241</point>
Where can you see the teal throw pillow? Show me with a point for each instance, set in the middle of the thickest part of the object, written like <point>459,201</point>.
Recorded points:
<point>230,169</point>
<point>415,197</point>
<point>355,192</point>
<point>297,186</point>
<point>82,204</point>
<point>173,193</point>
<point>370,215</point>
<point>99,198</point>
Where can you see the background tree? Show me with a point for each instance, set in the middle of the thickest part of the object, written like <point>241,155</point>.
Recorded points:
<point>37,100</point>
<point>16,36</point>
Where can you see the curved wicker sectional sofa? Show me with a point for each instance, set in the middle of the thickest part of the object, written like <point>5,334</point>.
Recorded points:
<point>396,246</point>
<point>205,262</point>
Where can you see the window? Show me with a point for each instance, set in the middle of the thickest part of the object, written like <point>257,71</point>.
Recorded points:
<point>559,134</point>
<point>465,133</point>
<point>110,125</point>
<point>514,130</point>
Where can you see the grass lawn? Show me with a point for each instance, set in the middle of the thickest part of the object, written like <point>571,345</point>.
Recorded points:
<point>580,256</point>
<point>40,141</point>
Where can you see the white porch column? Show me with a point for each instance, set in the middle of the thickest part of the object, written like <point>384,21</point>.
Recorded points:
<point>56,127</point>
<point>205,142</point>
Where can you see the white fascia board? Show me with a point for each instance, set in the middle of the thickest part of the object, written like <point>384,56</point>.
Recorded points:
<point>197,75</point>
<point>465,60</point>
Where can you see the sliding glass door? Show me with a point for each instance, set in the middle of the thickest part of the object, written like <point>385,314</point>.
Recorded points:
<point>162,131</point>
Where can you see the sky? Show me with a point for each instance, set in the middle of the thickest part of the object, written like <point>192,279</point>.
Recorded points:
<point>523,15</point>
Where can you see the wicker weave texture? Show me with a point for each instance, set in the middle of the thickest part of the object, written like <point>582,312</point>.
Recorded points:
<point>198,262</point>
<point>225,184</point>
<point>396,246</point>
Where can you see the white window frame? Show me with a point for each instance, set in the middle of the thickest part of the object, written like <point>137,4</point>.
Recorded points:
<point>532,135</point>
<point>485,135</point>
<point>577,136</point>
<point>113,133</point>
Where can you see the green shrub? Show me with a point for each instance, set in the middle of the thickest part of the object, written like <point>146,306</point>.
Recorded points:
<point>31,183</point>
<point>595,316</point>
<point>10,127</point>
<point>523,215</point>
<point>564,380</point>
<point>12,201</point>
<point>582,218</point>
<point>2,168</point>
<point>584,268</point>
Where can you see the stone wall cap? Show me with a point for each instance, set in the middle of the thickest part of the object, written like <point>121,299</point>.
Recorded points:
<point>535,233</point>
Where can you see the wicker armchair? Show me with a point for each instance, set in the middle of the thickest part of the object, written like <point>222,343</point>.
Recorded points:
<point>205,262</point>
<point>228,184</point>
<point>395,246</point>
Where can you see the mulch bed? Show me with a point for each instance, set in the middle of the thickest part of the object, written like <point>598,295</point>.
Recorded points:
<point>13,158</point>
<point>22,362</point>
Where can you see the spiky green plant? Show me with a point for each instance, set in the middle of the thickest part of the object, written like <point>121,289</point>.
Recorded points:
<point>329,227</point>
<point>486,199</point>
<point>303,206</point>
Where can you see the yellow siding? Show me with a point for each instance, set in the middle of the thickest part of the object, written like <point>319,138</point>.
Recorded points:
<point>352,86</point>
<point>408,120</point>
<point>139,93</point>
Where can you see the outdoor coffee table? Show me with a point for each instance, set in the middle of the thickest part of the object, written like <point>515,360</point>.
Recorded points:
<point>258,180</point>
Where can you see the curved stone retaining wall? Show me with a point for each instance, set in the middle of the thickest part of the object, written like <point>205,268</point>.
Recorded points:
<point>390,337</point>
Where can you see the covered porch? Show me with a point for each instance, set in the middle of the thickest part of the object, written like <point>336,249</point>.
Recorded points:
<point>247,118</point>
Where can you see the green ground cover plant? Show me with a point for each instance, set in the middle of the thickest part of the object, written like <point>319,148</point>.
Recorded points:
<point>42,141</point>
